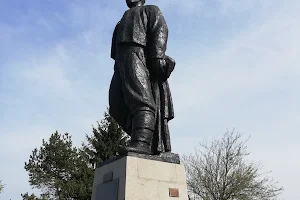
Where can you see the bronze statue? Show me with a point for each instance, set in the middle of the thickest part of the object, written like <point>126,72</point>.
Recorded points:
<point>139,96</point>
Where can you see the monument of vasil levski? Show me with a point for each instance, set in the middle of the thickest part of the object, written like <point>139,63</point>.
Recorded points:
<point>140,101</point>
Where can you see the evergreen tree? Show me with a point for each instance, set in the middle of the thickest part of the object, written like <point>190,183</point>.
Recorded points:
<point>104,141</point>
<point>33,197</point>
<point>1,186</point>
<point>60,170</point>
<point>65,172</point>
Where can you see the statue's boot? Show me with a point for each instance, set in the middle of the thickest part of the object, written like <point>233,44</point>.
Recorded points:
<point>139,145</point>
<point>143,124</point>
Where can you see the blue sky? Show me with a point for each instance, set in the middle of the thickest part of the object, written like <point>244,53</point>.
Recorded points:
<point>237,66</point>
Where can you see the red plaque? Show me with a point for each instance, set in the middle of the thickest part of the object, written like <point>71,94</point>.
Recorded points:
<point>174,192</point>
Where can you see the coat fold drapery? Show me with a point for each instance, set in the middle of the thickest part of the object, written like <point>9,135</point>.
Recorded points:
<point>141,35</point>
<point>164,110</point>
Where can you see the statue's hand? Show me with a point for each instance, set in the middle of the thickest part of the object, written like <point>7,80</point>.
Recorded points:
<point>170,65</point>
<point>157,69</point>
<point>161,69</point>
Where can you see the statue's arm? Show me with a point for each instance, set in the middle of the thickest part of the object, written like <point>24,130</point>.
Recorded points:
<point>157,43</point>
<point>113,43</point>
<point>158,32</point>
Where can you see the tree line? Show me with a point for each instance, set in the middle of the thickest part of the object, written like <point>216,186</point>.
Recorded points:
<point>218,170</point>
<point>65,172</point>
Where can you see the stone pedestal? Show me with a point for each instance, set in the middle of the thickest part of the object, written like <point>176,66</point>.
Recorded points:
<point>140,177</point>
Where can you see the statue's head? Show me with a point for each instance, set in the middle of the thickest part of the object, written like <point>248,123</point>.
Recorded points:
<point>134,3</point>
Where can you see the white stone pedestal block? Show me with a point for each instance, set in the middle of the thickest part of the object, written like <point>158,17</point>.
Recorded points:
<point>134,178</point>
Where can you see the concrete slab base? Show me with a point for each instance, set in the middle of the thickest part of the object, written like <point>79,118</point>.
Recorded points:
<point>134,178</point>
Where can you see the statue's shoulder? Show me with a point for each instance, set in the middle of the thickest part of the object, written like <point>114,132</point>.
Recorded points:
<point>117,25</point>
<point>152,8</point>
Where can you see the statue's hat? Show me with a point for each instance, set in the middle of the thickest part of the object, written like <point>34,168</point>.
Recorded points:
<point>132,1</point>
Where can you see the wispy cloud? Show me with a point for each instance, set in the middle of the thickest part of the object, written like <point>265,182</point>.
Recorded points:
<point>237,66</point>
<point>249,82</point>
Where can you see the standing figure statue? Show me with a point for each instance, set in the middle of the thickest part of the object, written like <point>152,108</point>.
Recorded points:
<point>139,96</point>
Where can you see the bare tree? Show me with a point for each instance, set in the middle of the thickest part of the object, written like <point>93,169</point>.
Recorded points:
<point>220,171</point>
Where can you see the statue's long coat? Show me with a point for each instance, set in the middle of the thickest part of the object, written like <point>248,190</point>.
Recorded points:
<point>141,35</point>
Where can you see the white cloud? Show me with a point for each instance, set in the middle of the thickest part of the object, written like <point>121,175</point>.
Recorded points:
<point>249,81</point>
<point>214,8</point>
<point>255,60</point>
<point>16,145</point>
<point>48,76</point>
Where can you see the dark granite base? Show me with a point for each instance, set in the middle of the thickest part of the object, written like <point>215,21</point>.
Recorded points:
<point>163,157</point>
<point>108,190</point>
